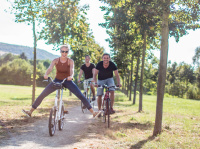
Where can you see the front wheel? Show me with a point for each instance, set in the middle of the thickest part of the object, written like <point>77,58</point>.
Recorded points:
<point>108,111</point>
<point>52,122</point>
<point>61,121</point>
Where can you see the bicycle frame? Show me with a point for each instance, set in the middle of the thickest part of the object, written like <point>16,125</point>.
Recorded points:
<point>58,108</point>
<point>86,89</point>
<point>106,96</point>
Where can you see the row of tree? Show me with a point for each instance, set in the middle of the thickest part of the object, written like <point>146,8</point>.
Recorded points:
<point>182,80</point>
<point>137,27</point>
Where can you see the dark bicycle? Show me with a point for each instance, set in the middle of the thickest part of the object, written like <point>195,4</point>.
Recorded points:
<point>106,104</point>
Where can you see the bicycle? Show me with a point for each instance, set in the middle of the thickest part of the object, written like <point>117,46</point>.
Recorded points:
<point>106,104</point>
<point>88,96</point>
<point>56,115</point>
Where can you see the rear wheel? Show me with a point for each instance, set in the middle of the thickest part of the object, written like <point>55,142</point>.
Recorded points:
<point>61,121</point>
<point>90,100</point>
<point>52,122</point>
<point>83,107</point>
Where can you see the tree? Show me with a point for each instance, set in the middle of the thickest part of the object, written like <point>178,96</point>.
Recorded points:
<point>196,57</point>
<point>28,11</point>
<point>162,67</point>
<point>23,56</point>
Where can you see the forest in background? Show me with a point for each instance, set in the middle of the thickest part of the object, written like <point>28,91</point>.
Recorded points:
<point>183,80</point>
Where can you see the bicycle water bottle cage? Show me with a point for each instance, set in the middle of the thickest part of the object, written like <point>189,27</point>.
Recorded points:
<point>57,85</point>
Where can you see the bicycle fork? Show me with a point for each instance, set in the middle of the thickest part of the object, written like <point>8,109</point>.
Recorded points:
<point>58,109</point>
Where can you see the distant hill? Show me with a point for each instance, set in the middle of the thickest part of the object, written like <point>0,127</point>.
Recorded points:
<point>16,49</point>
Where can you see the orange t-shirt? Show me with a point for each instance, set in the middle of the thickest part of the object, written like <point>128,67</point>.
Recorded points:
<point>62,70</point>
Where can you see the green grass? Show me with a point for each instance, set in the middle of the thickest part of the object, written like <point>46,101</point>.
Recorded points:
<point>129,128</point>
<point>21,95</point>
<point>180,124</point>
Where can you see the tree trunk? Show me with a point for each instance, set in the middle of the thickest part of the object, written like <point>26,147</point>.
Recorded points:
<point>142,72</point>
<point>128,83</point>
<point>162,69</point>
<point>34,62</point>
<point>131,81</point>
<point>136,78</point>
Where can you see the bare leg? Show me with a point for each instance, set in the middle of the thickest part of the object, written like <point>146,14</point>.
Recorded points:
<point>112,96</point>
<point>99,101</point>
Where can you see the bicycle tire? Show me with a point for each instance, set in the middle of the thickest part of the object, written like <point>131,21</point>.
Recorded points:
<point>83,109</point>
<point>61,121</point>
<point>52,122</point>
<point>108,111</point>
<point>104,111</point>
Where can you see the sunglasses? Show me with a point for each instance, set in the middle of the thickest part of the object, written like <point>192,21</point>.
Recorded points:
<point>64,51</point>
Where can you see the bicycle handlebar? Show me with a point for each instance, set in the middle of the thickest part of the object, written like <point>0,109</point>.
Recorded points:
<point>83,82</point>
<point>105,86</point>
<point>50,79</point>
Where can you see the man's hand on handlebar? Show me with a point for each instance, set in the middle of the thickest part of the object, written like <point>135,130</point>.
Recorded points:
<point>119,85</point>
<point>45,77</point>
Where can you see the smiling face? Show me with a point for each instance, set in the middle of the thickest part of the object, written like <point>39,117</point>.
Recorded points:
<point>106,59</point>
<point>87,59</point>
<point>64,51</point>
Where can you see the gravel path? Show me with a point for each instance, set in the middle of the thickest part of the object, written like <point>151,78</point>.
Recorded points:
<point>36,136</point>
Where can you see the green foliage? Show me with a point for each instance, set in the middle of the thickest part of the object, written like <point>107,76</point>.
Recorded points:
<point>17,71</point>
<point>182,81</point>
<point>193,92</point>
<point>196,57</point>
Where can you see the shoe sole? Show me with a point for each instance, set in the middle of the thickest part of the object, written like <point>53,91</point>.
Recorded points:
<point>26,113</point>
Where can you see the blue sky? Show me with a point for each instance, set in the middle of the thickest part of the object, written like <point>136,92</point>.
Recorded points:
<point>21,34</point>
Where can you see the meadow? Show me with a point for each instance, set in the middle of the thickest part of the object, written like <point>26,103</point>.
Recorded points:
<point>129,128</point>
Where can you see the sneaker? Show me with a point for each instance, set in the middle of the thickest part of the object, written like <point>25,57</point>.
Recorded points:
<point>112,111</point>
<point>99,114</point>
<point>93,99</point>
<point>83,107</point>
<point>66,112</point>
<point>28,113</point>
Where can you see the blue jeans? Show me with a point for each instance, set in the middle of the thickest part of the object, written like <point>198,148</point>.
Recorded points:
<point>67,84</point>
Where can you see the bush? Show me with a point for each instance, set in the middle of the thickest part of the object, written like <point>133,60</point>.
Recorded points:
<point>150,93</point>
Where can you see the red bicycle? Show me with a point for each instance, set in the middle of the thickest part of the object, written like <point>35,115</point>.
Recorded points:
<point>106,104</point>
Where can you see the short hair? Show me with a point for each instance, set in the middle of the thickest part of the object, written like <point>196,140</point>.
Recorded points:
<point>64,46</point>
<point>87,55</point>
<point>106,54</point>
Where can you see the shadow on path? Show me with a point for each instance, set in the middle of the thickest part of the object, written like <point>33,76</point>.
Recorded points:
<point>141,143</point>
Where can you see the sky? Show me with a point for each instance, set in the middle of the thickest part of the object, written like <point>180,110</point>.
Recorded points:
<point>21,34</point>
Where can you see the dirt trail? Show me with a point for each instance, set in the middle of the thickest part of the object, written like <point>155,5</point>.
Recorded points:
<point>36,135</point>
